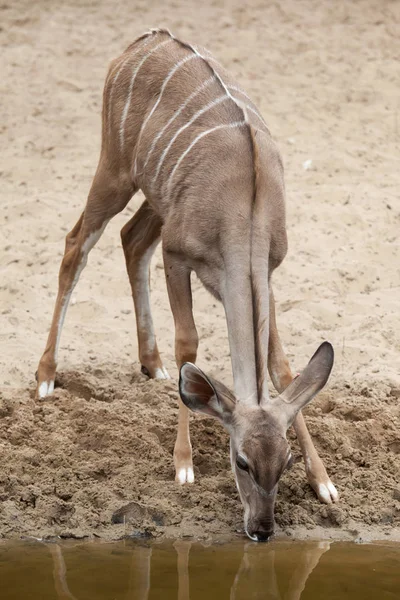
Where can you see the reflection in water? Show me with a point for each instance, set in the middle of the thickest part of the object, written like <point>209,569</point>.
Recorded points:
<point>183,548</point>
<point>188,570</point>
<point>249,568</point>
<point>256,562</point>
<point>247,583</point>
<point>139,576</point>
<point>60,573</point>
<point>307,561</point>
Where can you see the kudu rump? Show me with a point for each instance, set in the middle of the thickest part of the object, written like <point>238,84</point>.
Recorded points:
<point>178,127</point>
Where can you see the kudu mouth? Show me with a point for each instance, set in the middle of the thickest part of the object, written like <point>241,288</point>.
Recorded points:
<point>260,536</point>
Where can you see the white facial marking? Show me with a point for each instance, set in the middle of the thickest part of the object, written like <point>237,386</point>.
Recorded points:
<point>196,115</point>
<point>194,142</point>
<point>129,98</point>
<point>164,85</point>
<point>254,538</point>
<point>175,115</point>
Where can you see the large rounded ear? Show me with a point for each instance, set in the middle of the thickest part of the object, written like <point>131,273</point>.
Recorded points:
<point>306,385</point>
<point>204,394</point>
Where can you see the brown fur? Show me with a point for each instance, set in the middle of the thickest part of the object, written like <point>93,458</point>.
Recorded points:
<point>215,197</point>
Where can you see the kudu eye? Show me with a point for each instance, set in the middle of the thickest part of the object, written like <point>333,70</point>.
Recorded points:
<point>241,463</point>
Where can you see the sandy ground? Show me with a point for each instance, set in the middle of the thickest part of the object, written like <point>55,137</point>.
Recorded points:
<point>325,75</point>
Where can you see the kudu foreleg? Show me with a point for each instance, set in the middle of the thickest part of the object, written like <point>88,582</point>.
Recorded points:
<point>186,343</point>
<point>281,375</point>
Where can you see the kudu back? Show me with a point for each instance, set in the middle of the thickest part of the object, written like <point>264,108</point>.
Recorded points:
<point>177,126</point>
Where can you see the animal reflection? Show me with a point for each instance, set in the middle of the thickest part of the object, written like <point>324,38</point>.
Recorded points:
<point>256,577</point>
<point>60,573</point>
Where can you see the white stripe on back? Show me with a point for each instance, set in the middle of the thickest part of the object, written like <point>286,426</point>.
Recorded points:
<point>194,142</point>
<point>112,92</point>
<point>216,75</point>
<point>175,115</point>
<point>250,108</point>
<point>258,115</point>
<point>206,59</point>
<point>177,133</point>
<point>128,100</point>
<point>244,107</point>
<point>117,73</point>
<point>236,88</point>
<point>164,85</point>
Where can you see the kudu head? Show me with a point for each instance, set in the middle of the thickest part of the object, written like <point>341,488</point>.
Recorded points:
<point>260,452</point>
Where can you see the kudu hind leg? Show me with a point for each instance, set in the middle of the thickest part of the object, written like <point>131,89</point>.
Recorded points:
<point>106,199</point>
<point>281,375</point>
<point>186,343</point>
<point>140,237</point>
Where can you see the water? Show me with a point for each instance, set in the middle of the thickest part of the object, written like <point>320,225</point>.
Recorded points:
<point>183,570</point>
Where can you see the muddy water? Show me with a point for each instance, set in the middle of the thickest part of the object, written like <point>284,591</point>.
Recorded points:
<point>183,570</point>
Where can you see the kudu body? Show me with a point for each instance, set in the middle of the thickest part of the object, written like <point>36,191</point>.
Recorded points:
<point>177,126</point>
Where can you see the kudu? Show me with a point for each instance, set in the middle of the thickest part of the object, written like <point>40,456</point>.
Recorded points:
<point>178,127</point>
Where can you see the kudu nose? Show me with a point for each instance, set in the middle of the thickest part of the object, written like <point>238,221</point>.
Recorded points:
<point>264,536</point>
<point>261,535</point>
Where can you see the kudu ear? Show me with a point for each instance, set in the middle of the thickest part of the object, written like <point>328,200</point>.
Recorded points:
<point>306,385</point>
<point>203,394</point>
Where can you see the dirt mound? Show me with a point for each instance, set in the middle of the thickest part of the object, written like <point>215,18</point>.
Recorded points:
<point>97,460</point>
